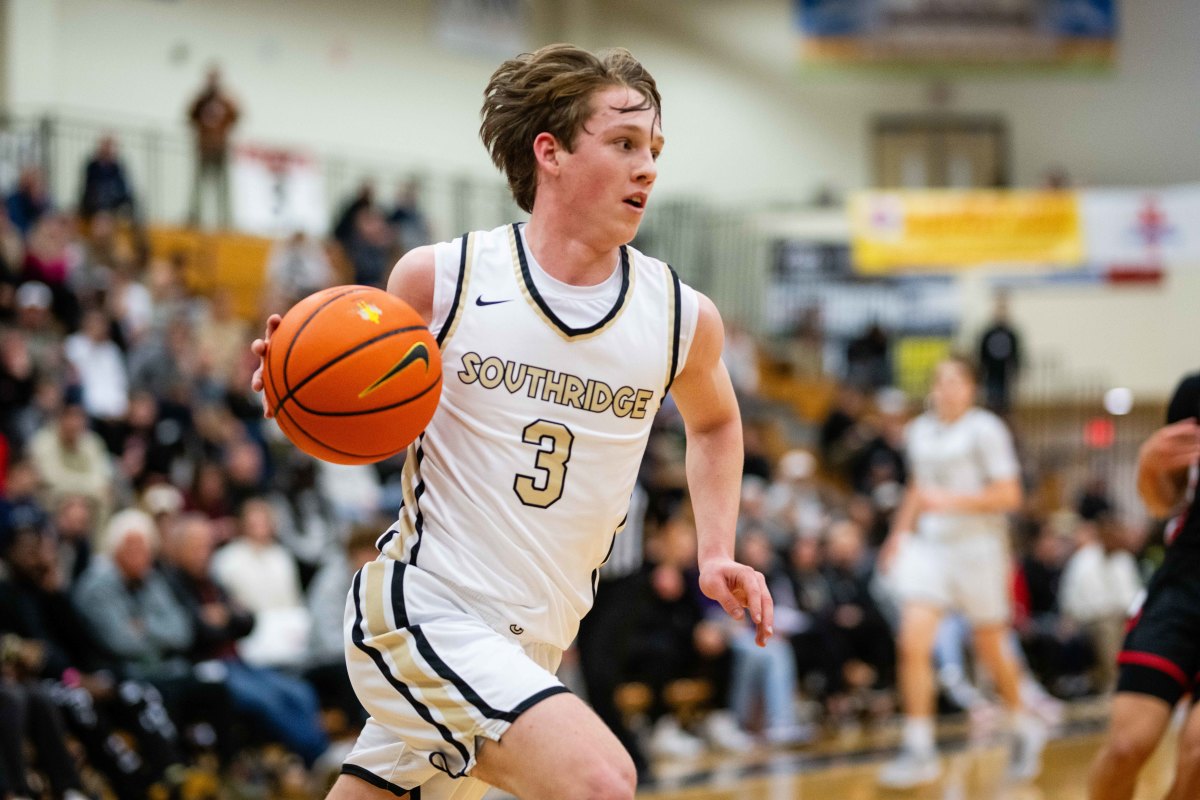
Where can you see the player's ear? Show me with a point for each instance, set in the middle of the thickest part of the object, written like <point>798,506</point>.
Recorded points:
<point>546,150</point>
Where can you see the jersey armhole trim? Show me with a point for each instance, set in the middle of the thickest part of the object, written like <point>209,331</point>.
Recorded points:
<point>464,279</point>
<point>675,319</point>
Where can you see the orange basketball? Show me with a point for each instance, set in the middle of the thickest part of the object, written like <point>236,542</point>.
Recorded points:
<point>352,375</point>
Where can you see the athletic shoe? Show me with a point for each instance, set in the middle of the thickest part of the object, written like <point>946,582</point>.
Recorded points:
<point>909,770</point>
<point>723,733</point>
<point>671,741</point>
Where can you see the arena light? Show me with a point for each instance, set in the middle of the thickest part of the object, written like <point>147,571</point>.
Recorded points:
<point>1118,401</point>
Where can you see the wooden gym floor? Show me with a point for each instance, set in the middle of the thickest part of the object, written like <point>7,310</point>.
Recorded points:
<point>845,769</point>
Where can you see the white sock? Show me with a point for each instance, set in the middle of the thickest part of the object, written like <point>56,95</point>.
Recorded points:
<point>918,735</point>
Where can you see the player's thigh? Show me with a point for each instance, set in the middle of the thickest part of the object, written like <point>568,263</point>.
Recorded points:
<point>588,761</point>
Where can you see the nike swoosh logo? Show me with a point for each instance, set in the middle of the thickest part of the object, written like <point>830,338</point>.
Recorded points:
<point>479,301</point>
<point>418,352</point>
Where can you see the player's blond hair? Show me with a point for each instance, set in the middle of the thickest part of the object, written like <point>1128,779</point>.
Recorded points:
<point>550,91</point>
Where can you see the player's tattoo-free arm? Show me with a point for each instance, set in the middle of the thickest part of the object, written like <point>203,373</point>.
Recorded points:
<point>1163,462</point>
<point>413,278</point>
<point>713,425</point>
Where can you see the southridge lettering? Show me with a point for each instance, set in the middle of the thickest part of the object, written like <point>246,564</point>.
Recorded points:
<point>560,388</point>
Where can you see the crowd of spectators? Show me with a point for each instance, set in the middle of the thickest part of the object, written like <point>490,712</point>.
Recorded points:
<point>173,572</point>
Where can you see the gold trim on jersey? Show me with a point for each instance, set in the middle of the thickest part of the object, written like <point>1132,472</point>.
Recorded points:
<point>408,514</point>
<point>531,293</point>
<point>464,284</point>
<point>671,312</point>
<point>401,651</point>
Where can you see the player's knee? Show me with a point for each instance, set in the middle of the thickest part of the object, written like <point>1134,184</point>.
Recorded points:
<point>1129,749</point>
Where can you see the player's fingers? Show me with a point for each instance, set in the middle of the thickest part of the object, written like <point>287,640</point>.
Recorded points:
<point>753,589</point>
<point>273,323</point>
<point>767,627</point>
<point>258,347</point>
<point>732,606</point>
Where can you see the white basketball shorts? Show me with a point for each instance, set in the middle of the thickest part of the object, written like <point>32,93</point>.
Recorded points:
<point>436,672</point>
<point>970,573</point>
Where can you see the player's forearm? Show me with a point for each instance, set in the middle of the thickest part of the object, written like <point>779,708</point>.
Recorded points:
<point>998,497</point>
<point>906,515</point>
<point>714,475</point>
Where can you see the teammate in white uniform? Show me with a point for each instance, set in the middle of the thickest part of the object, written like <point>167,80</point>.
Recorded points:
<point>964,478</point>
<point>559,344</point>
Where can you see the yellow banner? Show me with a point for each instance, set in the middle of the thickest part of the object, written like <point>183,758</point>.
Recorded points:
<point>939,229</point>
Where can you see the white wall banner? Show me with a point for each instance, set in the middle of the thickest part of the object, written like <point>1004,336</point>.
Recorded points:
<point>278,192</point>
<point>1141,230</point>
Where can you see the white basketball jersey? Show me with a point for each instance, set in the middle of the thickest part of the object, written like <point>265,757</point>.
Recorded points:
<point>517,488</point>
<point>962,457</point>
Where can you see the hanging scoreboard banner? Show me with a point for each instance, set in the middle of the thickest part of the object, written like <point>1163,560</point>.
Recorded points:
<point>278,192</point>
<point>974,33</point>
<point>950,229</point>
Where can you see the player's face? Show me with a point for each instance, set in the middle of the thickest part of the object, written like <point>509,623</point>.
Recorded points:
<point>609,175</point>
<point>953,391</point>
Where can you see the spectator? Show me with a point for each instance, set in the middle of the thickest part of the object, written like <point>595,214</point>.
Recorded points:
<point>144,632</point>
<point>105,187</point>
<point>752,515</point>
<point>18,382</point>
<point>408,222</point>
<point>285,706</point>
<point>100,367</point>
<point>212,116</point>
<point>296,267</point>
<point>220,340</point>
<point>371,248</point>
<point>70,459</point>
<point>50,260</point>
<point>765,674</point>
<point>741,360</point>
<point>1099,585</point>
<point>262,577</point>
<point>34,605</point>
<point>326,660</point>
<point>30,201</point>
<point>343,226</point>
<point>869,359</point>
<point>795,501</point>
<point>35,320</point>
<point>305,523</point>
<point>999,358</point>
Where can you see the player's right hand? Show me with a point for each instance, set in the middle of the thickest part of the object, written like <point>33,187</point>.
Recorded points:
<point>1173,447</point>
<point>259,348</point>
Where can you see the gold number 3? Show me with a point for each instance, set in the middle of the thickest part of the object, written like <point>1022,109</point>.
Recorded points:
<point>554,442</point>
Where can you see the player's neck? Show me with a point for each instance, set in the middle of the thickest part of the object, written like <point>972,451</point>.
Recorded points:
<point>952,415</point>
<point>567,256</point>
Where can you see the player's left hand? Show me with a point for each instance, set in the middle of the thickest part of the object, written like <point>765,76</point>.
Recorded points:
<point>736,586</point>
<point>930,498</point>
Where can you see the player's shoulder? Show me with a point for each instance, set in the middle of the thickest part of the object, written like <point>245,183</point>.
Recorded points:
<point>987,423</point>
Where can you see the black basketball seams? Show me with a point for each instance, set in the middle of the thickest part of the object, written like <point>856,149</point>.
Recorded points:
<point>288,355</point>
<point>291,393</point>
<point>267,360</point>
<point>363,456</point>
<point>433,385</point>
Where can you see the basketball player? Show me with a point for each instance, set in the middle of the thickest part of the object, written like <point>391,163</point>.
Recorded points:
<point>1160,661</point>
<point>559,344</point>
<point>964,479</point>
